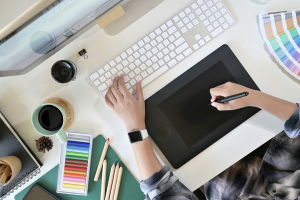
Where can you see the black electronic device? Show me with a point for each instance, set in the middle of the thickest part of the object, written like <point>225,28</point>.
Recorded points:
<point>64,71</point>
<point>178,118</point>
<point>38,192</point>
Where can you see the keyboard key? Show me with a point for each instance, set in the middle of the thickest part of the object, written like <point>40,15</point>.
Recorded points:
<point>176,19</point>
<point>148,63</point>
<point>179,41</point>
<point>207,38</point>
<point>160,55</point>
<point>137,71</point>
<point>219,5</point>
<point>217,32</point>
<point>126,78</point>
<point>172,54</point>
<point>216,1</point>
<point>154,50</point>
<point>132,66</point>
<point>144,74</point>
<point>119,67</point>
<point>210,3</point>
<point>172,63</point>
<point>129,51</point>
<point>138,78</point>
<point>172,30</point>
<point>167,58</point>
<point>143,67</point>
<point>152,35</point>
<point>221,20</point>
<point>212,19</point>
<point>182,14</point>
<point>202,17</point>
<point>106,67</point>
<point>158,31</point>
<point>136,55</point>
<point>160,46</point>
<point>108,74</point>
<point>198,11</point>
<point>166,42</point>
<point>142,51</point>
<point>94,76</point>
<point>172,38</point>
<point>112,63</point>
<point>113,70</point>
<point>206,22</point>
<point>171,47</point>
<point>141,43</point>
<point>223,11</point>
<point>229,19</point>
<point>154,59</point>
<point>124,55</point>
<point>208,13</point>
<point>196,46</point>
<point>137,62</point>
<point>214,9</point>
<point>216,24</point>
<point>128,86</point>
<point>161,62</point>
<point>150,70</point>
<point>190,25</point>
<point>186,20</point>
<point>131,75</point>
<point>155,66</point>
<point>125,63</point>
<point>192,16</point>
<point>166,51</point>
<point>159,39</point>
<point>149,54</point>
<point>101,71</point>
<point>187,10</point>
<point>130,59</point>
<point>210,28</point>
<point>184,30</point>
<point>225,26</point>
<point>197,37</point>
<point>180,57</point>
<point>104,92</point>
<point>163,27</point>
<point>200,2</point>
<point>109,82</point>
<point>102,87</point>
<point>135,47</point>
<point>180,24</point>
<point>132,82</point>
<point>169,23</point>
<point>153,76</point>
<point>102,79</point>
<point>195,22</point>
<point>204,8</point>
<point>147,39</point>
<point>165,35</point>
<point>177,35</point>
<point>201,42</point>
<point>194,6</point>
<point>148,47</point>
<point>153,43</point>
<point>181,48</point>
<point>143,58</point>
<point>118,59</point>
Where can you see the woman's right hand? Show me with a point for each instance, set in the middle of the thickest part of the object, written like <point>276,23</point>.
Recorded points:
<point>229,89</point>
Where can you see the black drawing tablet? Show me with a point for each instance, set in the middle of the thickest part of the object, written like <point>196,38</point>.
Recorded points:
<point>178,117</point>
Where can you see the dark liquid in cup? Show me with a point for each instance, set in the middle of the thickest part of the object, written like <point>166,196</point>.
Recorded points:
<point>50,118</point>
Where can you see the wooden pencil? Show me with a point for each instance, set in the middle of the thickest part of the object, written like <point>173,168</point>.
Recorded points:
<point>103,179</point>
<point>101,160</point>
<point>118,182</point>
<point>112,193</point>
<point>111,175</point>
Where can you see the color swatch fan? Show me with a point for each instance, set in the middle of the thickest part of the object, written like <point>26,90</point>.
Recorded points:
<point>280,30</point>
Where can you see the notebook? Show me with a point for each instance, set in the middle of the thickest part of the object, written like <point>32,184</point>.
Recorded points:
<point>11,144</point>
<point>129,187</point>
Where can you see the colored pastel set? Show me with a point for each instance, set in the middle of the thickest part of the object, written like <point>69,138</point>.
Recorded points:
<point>75,160</point>
<point>281,32</point>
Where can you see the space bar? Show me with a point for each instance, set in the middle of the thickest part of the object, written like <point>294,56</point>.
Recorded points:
<point>154,75</point>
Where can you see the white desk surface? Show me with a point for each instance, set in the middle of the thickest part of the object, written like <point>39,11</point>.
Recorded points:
<point>20,95</point>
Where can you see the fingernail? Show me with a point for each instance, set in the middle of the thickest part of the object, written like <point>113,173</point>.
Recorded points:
<point>121,74</point>
<point>115,78</point>
<point>213,105</point>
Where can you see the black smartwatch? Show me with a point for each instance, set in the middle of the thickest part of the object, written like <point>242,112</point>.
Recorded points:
<point>137,136</point>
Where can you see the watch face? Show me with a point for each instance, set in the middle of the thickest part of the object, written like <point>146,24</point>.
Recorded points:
<point>135,136</point>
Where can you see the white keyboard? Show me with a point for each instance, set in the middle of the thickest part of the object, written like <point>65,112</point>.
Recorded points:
<point>166,46</point>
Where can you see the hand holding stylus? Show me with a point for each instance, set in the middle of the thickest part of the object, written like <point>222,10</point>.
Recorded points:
<point>229,89</point>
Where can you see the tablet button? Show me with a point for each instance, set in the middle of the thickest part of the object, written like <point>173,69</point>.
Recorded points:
<point>163,133</point>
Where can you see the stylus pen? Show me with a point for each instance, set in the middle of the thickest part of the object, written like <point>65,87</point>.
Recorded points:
<point>230,98</point>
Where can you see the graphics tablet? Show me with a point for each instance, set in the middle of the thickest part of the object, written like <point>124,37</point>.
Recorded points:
<point>178,117</point>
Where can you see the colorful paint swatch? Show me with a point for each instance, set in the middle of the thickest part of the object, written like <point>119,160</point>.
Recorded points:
<point>280,30</point>
<point>75,164</point>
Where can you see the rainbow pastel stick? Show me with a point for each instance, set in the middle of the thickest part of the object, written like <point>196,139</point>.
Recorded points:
<point>74,182</point>
<point>73,186</point>
<point>70,153</point>
<point>79,143</point>
<point>77,146</point>
<point>74,171</point>
<point>76,168</point>
<point>75,179</point>
<point>76,157</point>
<point>78,150</point>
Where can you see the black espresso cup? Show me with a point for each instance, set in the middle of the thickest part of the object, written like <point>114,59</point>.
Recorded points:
<point>64,71</point>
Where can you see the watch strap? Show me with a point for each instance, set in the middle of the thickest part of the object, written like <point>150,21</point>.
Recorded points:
<point>144,133</point>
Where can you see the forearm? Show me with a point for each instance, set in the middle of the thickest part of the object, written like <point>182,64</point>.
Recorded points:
<point>275,106</point>
<point>146,159</point>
